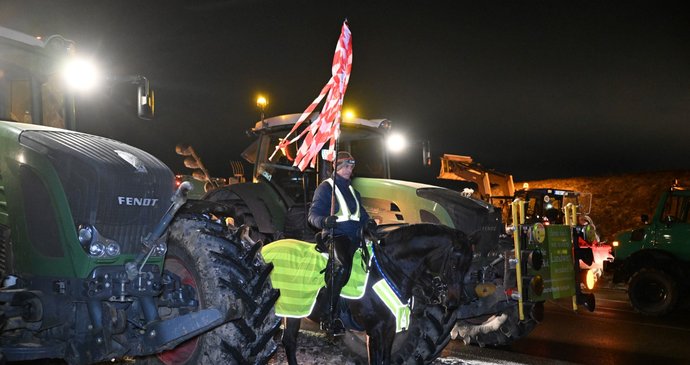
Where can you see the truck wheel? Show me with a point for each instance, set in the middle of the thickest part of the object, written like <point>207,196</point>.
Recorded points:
<point>653,292</point>
<point>224,274</point>
<point>428,335</point>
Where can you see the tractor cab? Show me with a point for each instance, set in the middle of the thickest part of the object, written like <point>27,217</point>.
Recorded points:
<point>32,89</point>
<point>548,205</point>
<point>361,137</point>
<point>39,79</point>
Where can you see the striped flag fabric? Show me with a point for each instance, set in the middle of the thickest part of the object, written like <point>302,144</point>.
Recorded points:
<point>326,127</point>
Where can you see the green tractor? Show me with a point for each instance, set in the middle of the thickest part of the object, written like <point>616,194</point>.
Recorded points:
<point>100,258</point>
<point>275,204</point>
<point>653,259</point>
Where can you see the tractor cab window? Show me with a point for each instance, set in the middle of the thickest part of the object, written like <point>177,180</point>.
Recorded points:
<point>531,208</point>
<point>676,209</point>
<point>53,102</point>
<point>280,170</point>
<point>370,157</point>
<point>15,94</point>
<point>30,91</point>
<point>285,156</point>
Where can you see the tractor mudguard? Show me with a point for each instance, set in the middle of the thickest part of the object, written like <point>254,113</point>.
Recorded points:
<point>193,206</point>
<point>267,207</point>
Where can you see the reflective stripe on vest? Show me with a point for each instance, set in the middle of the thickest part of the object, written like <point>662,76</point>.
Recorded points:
<point>343,213</point>
<point>400,310</point>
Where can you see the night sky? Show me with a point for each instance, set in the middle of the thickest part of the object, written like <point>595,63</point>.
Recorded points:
<point>538,89</point>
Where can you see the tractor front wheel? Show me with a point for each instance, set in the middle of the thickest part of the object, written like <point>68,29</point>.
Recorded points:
<point>225,274</point>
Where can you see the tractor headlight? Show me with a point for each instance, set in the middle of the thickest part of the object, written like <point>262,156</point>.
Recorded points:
<point>112,249</point>
<point>96,245</point>
<point>96,249</point>
<point>85,234</point>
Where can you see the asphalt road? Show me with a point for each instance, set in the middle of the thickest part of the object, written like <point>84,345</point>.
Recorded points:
<point>613,334</point>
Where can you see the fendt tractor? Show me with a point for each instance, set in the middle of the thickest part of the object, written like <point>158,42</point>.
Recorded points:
<point>502,288</point>
<point>100,258</point>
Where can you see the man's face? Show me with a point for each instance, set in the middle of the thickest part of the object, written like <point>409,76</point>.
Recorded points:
<point>345,171</point>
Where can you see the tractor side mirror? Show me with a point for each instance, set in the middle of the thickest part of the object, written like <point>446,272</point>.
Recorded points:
<point>145,100</point>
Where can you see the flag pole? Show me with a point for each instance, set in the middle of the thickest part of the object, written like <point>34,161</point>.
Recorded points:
<point>331,245</point>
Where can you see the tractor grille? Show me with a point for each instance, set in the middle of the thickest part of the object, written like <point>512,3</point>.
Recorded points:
<point>117,188</point>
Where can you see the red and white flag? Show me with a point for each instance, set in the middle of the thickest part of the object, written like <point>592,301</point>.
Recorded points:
<point>327,126</point>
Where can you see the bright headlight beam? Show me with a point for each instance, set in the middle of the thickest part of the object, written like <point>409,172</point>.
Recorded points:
<point>396,142</point>
<point>81,74</point>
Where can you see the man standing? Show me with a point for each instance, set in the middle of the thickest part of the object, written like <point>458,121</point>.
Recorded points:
<point>347,222</point>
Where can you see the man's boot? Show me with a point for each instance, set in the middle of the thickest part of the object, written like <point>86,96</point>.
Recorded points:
<point>332,324</point>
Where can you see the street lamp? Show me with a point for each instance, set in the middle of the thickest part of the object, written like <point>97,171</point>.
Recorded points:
<point>262,103</point>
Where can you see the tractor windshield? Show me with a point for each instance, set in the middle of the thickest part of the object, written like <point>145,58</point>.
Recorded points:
<point>30,89</point>
<point>365,143</point>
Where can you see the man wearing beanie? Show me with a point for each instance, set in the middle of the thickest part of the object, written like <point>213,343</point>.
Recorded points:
<point>347,221</point>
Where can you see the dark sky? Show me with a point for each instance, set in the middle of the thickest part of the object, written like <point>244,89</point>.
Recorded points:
<point>534,88</point>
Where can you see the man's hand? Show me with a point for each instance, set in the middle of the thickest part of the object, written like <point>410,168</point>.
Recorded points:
<point>329,222</point>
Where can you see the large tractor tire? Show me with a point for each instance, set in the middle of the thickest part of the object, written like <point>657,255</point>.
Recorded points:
<point>653,292</point>
<point>227,275</point>
<point>499,329</point>
<point>422,343</point>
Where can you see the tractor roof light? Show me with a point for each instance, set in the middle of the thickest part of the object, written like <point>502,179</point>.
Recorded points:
<point>396,142</point>
<point>385,125</point>
<point>81,74</point>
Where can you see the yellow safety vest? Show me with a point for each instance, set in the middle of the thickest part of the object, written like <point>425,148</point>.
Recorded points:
<point>343,213</point>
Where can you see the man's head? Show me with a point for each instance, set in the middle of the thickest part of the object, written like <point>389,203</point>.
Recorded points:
<point>344,164</point>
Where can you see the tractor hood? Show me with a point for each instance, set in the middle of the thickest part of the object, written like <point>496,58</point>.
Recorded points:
<point>120,190</point>
<point>396,201</point>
